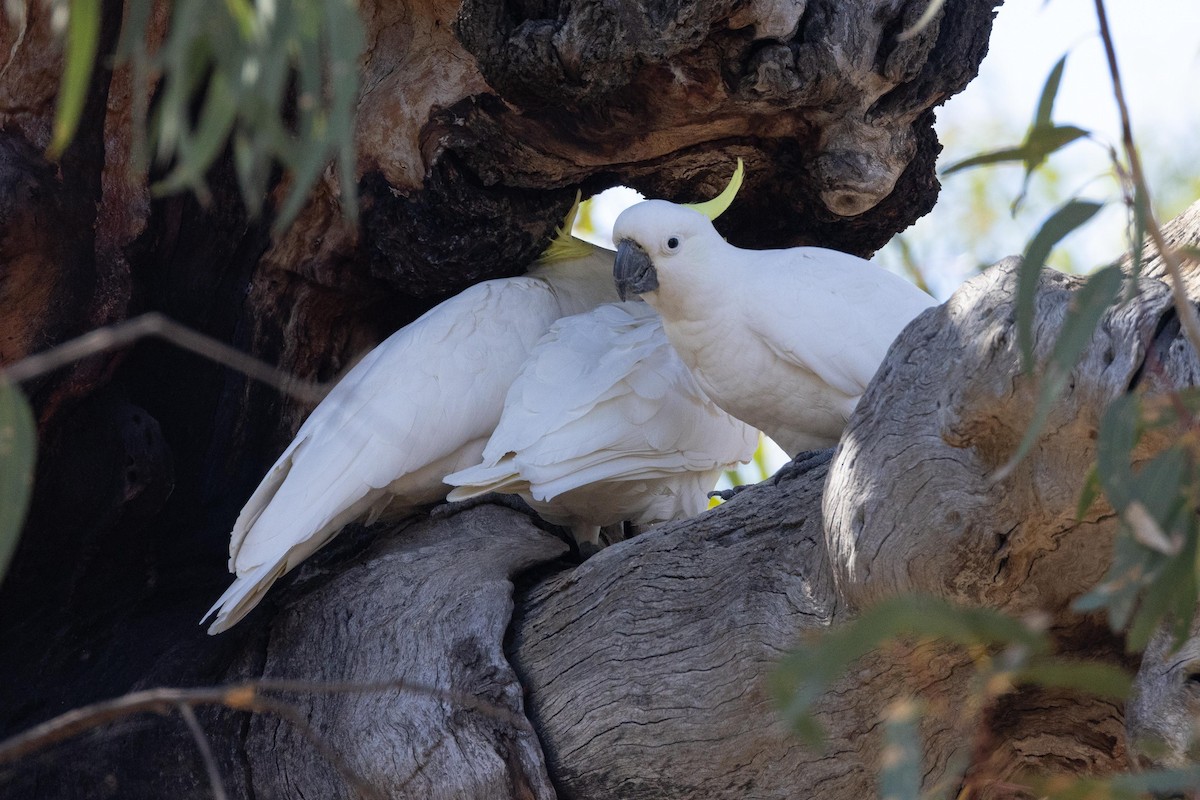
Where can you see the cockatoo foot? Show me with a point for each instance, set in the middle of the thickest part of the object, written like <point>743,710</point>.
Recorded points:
<point>728,494</point>
<point>511,501</point>
<point>802,463</point>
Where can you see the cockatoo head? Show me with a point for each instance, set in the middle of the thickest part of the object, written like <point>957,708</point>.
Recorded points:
<point>656,238</point>
<point>652,238</point>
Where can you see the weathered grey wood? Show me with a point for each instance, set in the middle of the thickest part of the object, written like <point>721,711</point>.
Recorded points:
<point>645,666</point>
<point>430,605</point>
<point>1160,719</point>
<point>947,410</point>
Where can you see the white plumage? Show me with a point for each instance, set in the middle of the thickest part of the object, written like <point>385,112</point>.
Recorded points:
<point>606,424</point>
<point>420,405</point>
<point>786,340</point>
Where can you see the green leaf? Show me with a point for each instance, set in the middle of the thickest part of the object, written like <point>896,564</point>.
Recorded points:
<point>278,82</point>
<point>1153,572</point>
<point>900,772</point>
<point>83,36</point>
<point>1043,141</point>
<point>1089,493</point>
<point>1049,91</point>
<point>1171,594</point>
<point>200,148</point>
<point>1159,782</point>
<point>242,13</point>
<point>1086,309</point>
<point>1118,591</point>
<point>18,448</point>
<point>1159,485</point>
<point>1139,231</point>
<point>1062,222</point>
<point>1117,437</point>
<point>1038,144</point>
<point>1093,677</point>
<point>1014,154</point>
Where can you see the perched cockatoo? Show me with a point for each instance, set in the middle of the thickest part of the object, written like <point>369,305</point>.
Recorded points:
<point>785,340</point>
<point>420,405</point>
<point>606,424</point>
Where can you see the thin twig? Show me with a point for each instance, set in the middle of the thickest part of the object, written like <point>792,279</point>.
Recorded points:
<point>244,696</point>
<point>206,753</point>
<point>125,333</point>
<point>1187,312</point>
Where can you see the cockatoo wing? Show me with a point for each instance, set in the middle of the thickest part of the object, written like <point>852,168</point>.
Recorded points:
<point>419,405</point>
<point>603,404</point>
<point>858,308</point>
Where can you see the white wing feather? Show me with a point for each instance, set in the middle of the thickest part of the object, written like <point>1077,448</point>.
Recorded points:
<point>419,405</point>
<point>860,306</point>
<point>605,423</point>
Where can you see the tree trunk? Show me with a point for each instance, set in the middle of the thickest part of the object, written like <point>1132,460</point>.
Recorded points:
<point>641,670</point>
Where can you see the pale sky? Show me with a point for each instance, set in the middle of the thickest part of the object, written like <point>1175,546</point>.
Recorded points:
<point>1158,52</point>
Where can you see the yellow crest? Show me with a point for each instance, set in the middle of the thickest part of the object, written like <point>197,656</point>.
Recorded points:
<point>564,246</point>
<point>717,206</point>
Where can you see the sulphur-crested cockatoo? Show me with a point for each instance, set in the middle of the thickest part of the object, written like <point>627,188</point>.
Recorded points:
<point>420,405</point>
<point>785,340</point>
<point>605,424</point>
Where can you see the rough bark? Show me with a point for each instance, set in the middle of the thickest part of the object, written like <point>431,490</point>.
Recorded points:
<point>472,138</point>
<point>644,667</point>
<point>1160,719</point>
<point>429,605</point>
<point>1012,544</point>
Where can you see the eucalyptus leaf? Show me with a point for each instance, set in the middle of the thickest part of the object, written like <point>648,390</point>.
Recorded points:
<point>1171,594</point>
<point>1045,108</point>
<point>1093,677</point>
<point>1043,141</point>
<point>1010,154</point>
<point>18,449</point>
<point>83,36</point>
<point>1117,437</point>
<point>1066,219</point>
<point>1089,493</point>
<point>1139,232</point>
<point>274,83</point>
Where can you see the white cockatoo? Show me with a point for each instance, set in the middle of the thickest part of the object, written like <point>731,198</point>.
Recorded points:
<point>606,424</point>
<point>785,340</point>
<point>420,405</point>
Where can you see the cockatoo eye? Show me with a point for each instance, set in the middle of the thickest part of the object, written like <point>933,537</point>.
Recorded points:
<point>672,245</point>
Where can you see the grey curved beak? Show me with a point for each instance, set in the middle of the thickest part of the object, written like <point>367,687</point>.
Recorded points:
<point>633,271</point>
